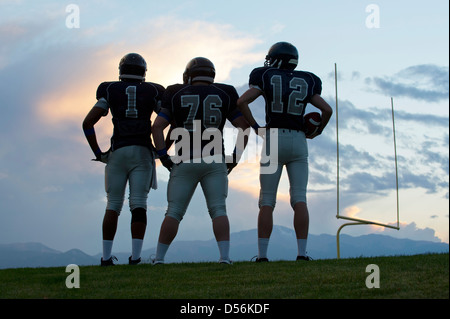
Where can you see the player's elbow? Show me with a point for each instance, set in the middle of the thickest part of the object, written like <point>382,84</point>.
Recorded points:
<point>160,124</point>
<point>241,104</point>
<point>240,122</point>
<point>327,110</point>
<point>87,124</point>
<point>321,104</point>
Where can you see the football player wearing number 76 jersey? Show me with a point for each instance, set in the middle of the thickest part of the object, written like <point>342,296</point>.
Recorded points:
<point>197,111</point>
<point>130,158</point>
<point>286,92</point>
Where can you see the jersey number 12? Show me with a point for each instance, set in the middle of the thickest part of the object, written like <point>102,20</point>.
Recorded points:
<point>295,103</point>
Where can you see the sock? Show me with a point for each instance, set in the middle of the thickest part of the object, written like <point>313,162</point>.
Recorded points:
<point>224,249</point>
<point>161,250</point>
<point>107,248</point>
<point>263,244</point>
<point>136,248</point>
<point>301,245</point>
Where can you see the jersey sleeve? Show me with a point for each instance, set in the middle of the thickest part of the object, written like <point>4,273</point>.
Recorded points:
<point>233,112</point>
<point>317,88</point>
<point>102,102</point>
<point>101,90</point>
<point>165,109</point>
<point>255,80</point>
<point>160,89</point>
<point>159,95</point>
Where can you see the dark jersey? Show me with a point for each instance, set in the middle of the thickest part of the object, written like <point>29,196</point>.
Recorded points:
<point>131,104</point>
<point>201,111</point>
<point>286,93</point>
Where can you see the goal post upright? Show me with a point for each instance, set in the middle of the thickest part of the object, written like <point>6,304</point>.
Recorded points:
<point>396,166</point>
<point>357,221</point>
<point>337,139</point>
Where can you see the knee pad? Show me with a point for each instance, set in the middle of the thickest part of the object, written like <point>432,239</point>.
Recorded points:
<point>114,204</point>
<point>297,200</point>
<point>298,194</point>
<point>267,199</point>
<point>175,214</point>
<point>139,215</point>
<point>217,211</point>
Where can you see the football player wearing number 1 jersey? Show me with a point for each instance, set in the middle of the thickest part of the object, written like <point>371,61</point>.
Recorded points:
<point>197,111</point>
<point>286,92</point>
<point>130,158</point>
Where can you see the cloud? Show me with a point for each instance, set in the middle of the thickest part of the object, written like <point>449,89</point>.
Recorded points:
<point>44,155</point>
<point>410,231</point>
<point>351,211</point>
<point>425,82</point>
<point>50,75</point>
<point>175,41</point>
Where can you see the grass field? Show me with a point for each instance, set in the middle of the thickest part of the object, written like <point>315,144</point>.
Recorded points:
<point>401,277</point>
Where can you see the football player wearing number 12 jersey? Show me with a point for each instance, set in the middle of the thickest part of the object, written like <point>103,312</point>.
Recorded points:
<point>130,158</point>
<point>286,92</point>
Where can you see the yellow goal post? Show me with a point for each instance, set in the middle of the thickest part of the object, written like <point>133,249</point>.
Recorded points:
<point>357,221</point>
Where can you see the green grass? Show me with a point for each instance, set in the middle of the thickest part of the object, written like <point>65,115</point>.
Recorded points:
<point>402,277</point>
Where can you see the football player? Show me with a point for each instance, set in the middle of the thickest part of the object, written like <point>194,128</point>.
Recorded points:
<point>197,111</point>
<point>130,158</point>
<point>286,92</point>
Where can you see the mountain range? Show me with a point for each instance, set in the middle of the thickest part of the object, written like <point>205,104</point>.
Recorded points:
<point>243,246</point>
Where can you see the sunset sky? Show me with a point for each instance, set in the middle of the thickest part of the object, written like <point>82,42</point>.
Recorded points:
<point>54,54</point>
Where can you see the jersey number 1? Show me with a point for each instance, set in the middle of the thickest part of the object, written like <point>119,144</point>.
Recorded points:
<point>131,109</point>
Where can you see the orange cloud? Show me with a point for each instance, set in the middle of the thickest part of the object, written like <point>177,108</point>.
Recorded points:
<point>170,44</point>
<point>167,47</point>
<point>245,178</point>
<point>352,211</point>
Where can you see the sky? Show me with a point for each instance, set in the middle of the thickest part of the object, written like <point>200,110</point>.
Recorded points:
<point>54,54</point>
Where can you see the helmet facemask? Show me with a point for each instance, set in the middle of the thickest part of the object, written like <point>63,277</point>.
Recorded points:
<point>282,55</point>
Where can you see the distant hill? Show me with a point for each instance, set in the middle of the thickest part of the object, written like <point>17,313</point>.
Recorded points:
<point>38,255</point>
<point>283,246</point>
<point>243,247</point>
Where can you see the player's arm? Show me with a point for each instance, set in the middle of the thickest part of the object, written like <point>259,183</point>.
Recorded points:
<point>169,141</point>
<point>241,142</point>
<point>242,138</point>
<point>158,133</point>
<point>161,122</point>
<point>94,115</point>
<point>326,110</point>
<point>242,103</point>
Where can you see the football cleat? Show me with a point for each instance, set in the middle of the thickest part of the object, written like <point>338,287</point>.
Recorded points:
<point>133,262</point>
<point>225,261</point>
<point>305,258</point>
<point>260,260</point>
<point>154,262</point>
<point>108,262</point>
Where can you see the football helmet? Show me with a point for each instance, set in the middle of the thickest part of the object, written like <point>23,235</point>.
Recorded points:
<point>199,69</point>
<point>282,55</point>
<point>132,66</point>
